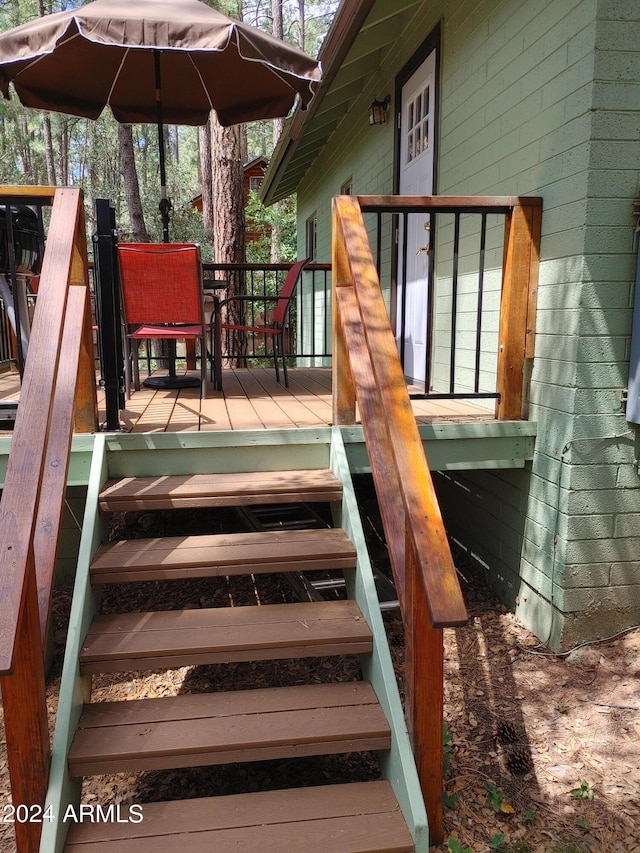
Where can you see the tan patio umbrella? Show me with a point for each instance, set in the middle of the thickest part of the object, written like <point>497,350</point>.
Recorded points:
<point>157,61</point>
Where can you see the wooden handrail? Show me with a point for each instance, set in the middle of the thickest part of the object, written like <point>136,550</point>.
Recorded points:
<point>367,371</point>
<point>23,195</point>
<point>451,203</point>
<point>33,493</point>
<point>247,267</point>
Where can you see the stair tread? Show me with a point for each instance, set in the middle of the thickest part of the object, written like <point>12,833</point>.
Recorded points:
<point>360,817</point>
<point>224,634</point>
<point>209,555</point>
<point>197,490</point>
<point>220,728</point>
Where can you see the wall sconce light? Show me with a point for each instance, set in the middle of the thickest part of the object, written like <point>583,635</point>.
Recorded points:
<point>378,110</point>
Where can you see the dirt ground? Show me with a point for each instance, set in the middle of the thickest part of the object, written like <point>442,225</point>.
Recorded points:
<point>545,749</point>
<point>542,751</point>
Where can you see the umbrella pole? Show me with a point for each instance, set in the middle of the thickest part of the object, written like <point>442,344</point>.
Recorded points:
<point>165,203</point>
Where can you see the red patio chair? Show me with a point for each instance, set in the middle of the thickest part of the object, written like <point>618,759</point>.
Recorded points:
<point>161,298</point>
<point>273,328</point>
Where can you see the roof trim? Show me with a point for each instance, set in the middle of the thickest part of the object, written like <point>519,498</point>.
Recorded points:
<point>260,159</point>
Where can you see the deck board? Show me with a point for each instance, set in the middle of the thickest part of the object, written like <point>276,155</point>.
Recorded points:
<point>207,555</point>
<point>252,399</point>
<point>266,407</point>
<point>186,413</point>
<point>307,820</point>
<point>202,729</point>
<point>241,411</point>
<point>295,402</point>
<point>131,641</point>
<point>219,489</point>
<point>213,412</point>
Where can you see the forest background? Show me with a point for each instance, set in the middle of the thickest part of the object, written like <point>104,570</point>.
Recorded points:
<point>121,162</point>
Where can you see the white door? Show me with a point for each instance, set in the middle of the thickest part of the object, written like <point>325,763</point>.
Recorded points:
<point>416,178</point>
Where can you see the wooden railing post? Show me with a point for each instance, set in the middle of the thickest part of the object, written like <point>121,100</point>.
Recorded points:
<point>344,394</point>
<point>25,718</point>
<point>517,307</point>
<point>424,674</point>
<point>86,400</point>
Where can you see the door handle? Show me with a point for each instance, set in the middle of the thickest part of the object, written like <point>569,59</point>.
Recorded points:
<point>425,249</point>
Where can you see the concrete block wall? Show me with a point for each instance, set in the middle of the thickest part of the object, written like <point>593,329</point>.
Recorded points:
<point>555,112</point>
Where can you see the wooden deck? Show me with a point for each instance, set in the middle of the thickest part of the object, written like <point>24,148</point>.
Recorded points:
<point>252,399</point>
<point>456,434</point>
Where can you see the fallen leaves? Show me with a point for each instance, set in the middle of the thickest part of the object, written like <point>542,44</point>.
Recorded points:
<point>574,719</point>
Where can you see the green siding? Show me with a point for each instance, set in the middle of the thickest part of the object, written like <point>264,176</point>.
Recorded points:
<point>539,98</point>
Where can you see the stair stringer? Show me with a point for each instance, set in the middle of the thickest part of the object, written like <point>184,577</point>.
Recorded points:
<point>398,764</point>
<point>63,790</point>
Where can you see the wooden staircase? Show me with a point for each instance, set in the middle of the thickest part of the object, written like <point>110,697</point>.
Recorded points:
<point>236,726</point>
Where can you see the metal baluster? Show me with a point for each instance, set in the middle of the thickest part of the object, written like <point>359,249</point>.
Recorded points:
<point>403,307</point>
<point>312,327</point>
<point>327,314</point>
<point>13,278</point>
<point>431,304</point>
<point>481,262</point>
<point>454,301</point>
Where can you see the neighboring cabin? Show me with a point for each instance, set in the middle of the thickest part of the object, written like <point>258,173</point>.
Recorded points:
<point>252,175</point>
<point>515,97</point>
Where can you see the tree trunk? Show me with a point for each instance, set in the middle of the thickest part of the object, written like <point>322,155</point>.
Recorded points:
<point>25,150</point>
<point>302,23</point>
<point>93,163</point>
<point>48,149</point>
<point>229,221</point>
<point>277,27</point>
<point>205,175</point>
<point>278,124</point>
<point>131,187</point>
<point>174,145</point>
<point>63,152</point>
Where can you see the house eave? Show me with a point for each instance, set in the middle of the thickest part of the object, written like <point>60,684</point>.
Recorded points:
<point>348,22</point>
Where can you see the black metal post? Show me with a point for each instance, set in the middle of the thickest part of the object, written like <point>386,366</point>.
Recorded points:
<point>454,302</point>
<point>13,278</point>
<point>108,312</point>
<point>165,202</point>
